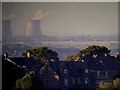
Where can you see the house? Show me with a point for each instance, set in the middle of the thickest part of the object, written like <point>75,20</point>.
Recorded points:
<point>10,73</point>
<point>104,68</point>
<point>85,73</point>
<point>73,74</point>
<point>43,73</point>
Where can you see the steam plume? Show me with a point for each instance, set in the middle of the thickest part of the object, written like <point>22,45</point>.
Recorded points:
<point>39,15</point>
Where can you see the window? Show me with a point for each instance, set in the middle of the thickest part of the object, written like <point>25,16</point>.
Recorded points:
<point>86,70</point>
<point>41,71</point>
<point>65,71</point>
<point>65,81</point>
<point>102,73</point>
<point>106,73</point>
<point>86,80</point>
<point>98,73</point>
<point>78,80</point>
<point>73,80</point>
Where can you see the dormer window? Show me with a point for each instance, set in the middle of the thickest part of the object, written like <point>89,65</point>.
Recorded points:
<point>86,70</point>
<point>65,71</point>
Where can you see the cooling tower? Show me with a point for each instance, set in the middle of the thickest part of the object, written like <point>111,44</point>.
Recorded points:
<point>36,28</point>
<point>29,29</point>
<point>33,28</point>
<point>6,29</point>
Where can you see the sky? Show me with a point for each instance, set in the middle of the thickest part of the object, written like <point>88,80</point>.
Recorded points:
<point>63,18</point>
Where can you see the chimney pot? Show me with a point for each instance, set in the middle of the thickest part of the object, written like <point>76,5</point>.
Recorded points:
<point>5,55</point>
<point>28,54</point>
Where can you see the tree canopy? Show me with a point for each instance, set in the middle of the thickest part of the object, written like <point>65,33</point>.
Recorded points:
<point>89,51</point>
<point>25,82</point>
<point>105,85</point>
<point>93,49</point>
<point>115,84</point>
<point>43,53</point>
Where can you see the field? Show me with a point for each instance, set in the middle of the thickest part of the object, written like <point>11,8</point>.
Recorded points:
<point>79,43</point>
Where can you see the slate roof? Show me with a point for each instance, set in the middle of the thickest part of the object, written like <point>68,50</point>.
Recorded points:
<point>102,63</point>
<point>71,68</point>
<point>30,63</point>
<point>74,68</point>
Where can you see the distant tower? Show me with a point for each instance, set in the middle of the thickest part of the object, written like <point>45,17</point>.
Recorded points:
<point>6,30</point>
<point>33,28</point>
<point>36,28</point>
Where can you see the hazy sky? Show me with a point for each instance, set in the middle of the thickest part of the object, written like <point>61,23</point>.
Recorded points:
<point>64,18</point>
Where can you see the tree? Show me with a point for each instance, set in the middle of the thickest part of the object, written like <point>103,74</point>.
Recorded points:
<point>105,85</point>
<point>99,50</point>
<point>89,51</point>
<point>116,83</point>
<point>25,82</point>
<point>43,53</point>
<point>10,73</point>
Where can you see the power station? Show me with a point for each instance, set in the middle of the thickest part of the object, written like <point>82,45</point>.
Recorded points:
<point>33,29</point>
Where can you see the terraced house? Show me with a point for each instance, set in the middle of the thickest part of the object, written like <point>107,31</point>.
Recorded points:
<point>88,72</point>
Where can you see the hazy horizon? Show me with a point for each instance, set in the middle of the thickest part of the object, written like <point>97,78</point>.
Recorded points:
<point>64,18</point>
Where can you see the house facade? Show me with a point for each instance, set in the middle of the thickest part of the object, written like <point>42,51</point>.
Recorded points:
<point>86,73</point>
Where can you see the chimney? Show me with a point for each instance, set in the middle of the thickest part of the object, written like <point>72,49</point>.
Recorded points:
<point>36,28</point>
<point>5,56</point>
<point>28,54</point>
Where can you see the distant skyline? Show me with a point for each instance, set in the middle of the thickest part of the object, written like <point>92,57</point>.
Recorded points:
<point>64,18</point>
